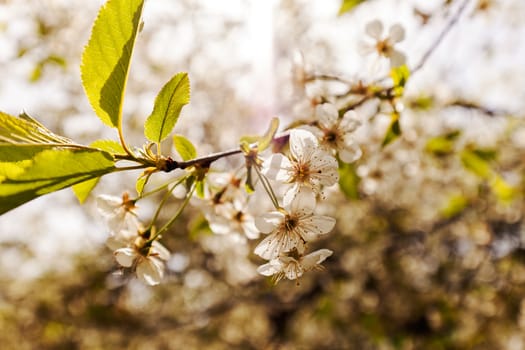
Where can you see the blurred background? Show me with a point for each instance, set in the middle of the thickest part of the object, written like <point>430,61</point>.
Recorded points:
<point>429,253</point>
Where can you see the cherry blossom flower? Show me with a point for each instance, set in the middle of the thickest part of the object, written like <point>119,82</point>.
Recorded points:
<point>336,133</point>
<point>293,264</point>
<point>147,260</point>
<point>290,228</point>
<point>384,46</point>
<point>308,166</point>
<point>118,212</point>
<point>232,217</point>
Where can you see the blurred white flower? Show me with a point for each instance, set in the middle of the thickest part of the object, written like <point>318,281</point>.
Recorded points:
<point>293,264</point>
<point>232,217</point>
<point>118,212</point>
<point>291,227</point>
<point>336,133</point>
<point>147,261</point>
<point>384,46</point>
<point>308,166</point>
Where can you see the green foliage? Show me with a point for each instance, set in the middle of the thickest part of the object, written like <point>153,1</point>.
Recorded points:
<point>455,205</point>
<point>83,189</point>
<point>442,145</point>
<point>393,131</point>
<point>34,161</point>
<point>348,5</point>
<point>473,162</point>
<point>107,56</point>
<point>399,77</point>
<point>36,74</point>
<point>264,141</point>
<point>184,147</point>
<point>349,180</point>
<point>168,105</point>
<point>48,171</point>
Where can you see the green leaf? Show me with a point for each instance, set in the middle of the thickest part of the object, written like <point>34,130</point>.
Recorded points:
<point>455,205</point>
<point>141,183</point>
<point>393,131</point>
<point>349,180</point>
<point>348,5</point>
<point>107,56</point>
<point>48,171</point>
<point>264,141</point>
<point>184,147</point>
<point>442,145</point>
<point>476,164</point>
<point>503,191</point>
<point>168,105</point>
<point>83,189</point>
<point>399,77</point>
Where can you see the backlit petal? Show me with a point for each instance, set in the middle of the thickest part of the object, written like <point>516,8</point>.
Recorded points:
<point>374,29</point>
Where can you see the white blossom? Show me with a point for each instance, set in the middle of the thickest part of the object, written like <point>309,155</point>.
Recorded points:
<point>118,212</point>
<point>336,133</point>
<point>308,166</point>
<point>148,262</point>
<point>232,217</point>
<point>383,46</point>
<point>293,264</point>
<point>291,227</point>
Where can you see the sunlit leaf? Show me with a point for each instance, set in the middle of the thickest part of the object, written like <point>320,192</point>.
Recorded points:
<point>348,5</point>
<point>48,171</point>
<point>399,77</point>
<point>168,105</point>
<point>83,189</point>
<point>393,131</point>
<point>184,147</point>
<point>265,140</point>
<point>107,56</point>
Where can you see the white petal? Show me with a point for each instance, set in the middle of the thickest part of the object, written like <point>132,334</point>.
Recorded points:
<point>159,250</point>
<point>268,222</point>
<point>303,201</point>
<point>219,225</point>
<point>327,114</point>
<point>107,205</point>
<point>293,270</point>
<point>276,244</point>
<point>350,152</point>
<point>150,271</point>
<point>302,143</point>
<point>315,258</point>
<point>125,256</point>
<point>250,230</point>
<point>350,122</point>
<point>365,48</point>
<point>396,33</point>
<point>270,268</point>
<point>397,58</point>
<point>374,29</point>
<point>315,225</point>
<point>324,168</point>
<point>276,167</point>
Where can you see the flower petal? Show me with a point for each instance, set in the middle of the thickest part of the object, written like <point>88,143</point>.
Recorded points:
<point>159,250</point>
<point>396,33</point>
<point>315,258</point>
<point>277,167</point>
<point>125,256</point>
<point>302,143</point>
<point>303,201</point>
<point>374,29</point>
<point>268,222</point>
<point>327,115</point>
<point>277,243</point>
<point>270,268</point>
<point>150,270</point>
<point>315,225</point>
<point>397,58</point>
<point>350,152</point>
<point>108,205</point>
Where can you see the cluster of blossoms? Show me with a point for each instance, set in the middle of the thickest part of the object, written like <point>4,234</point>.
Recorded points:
<point>309,166</point>
<point>132,245</point>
